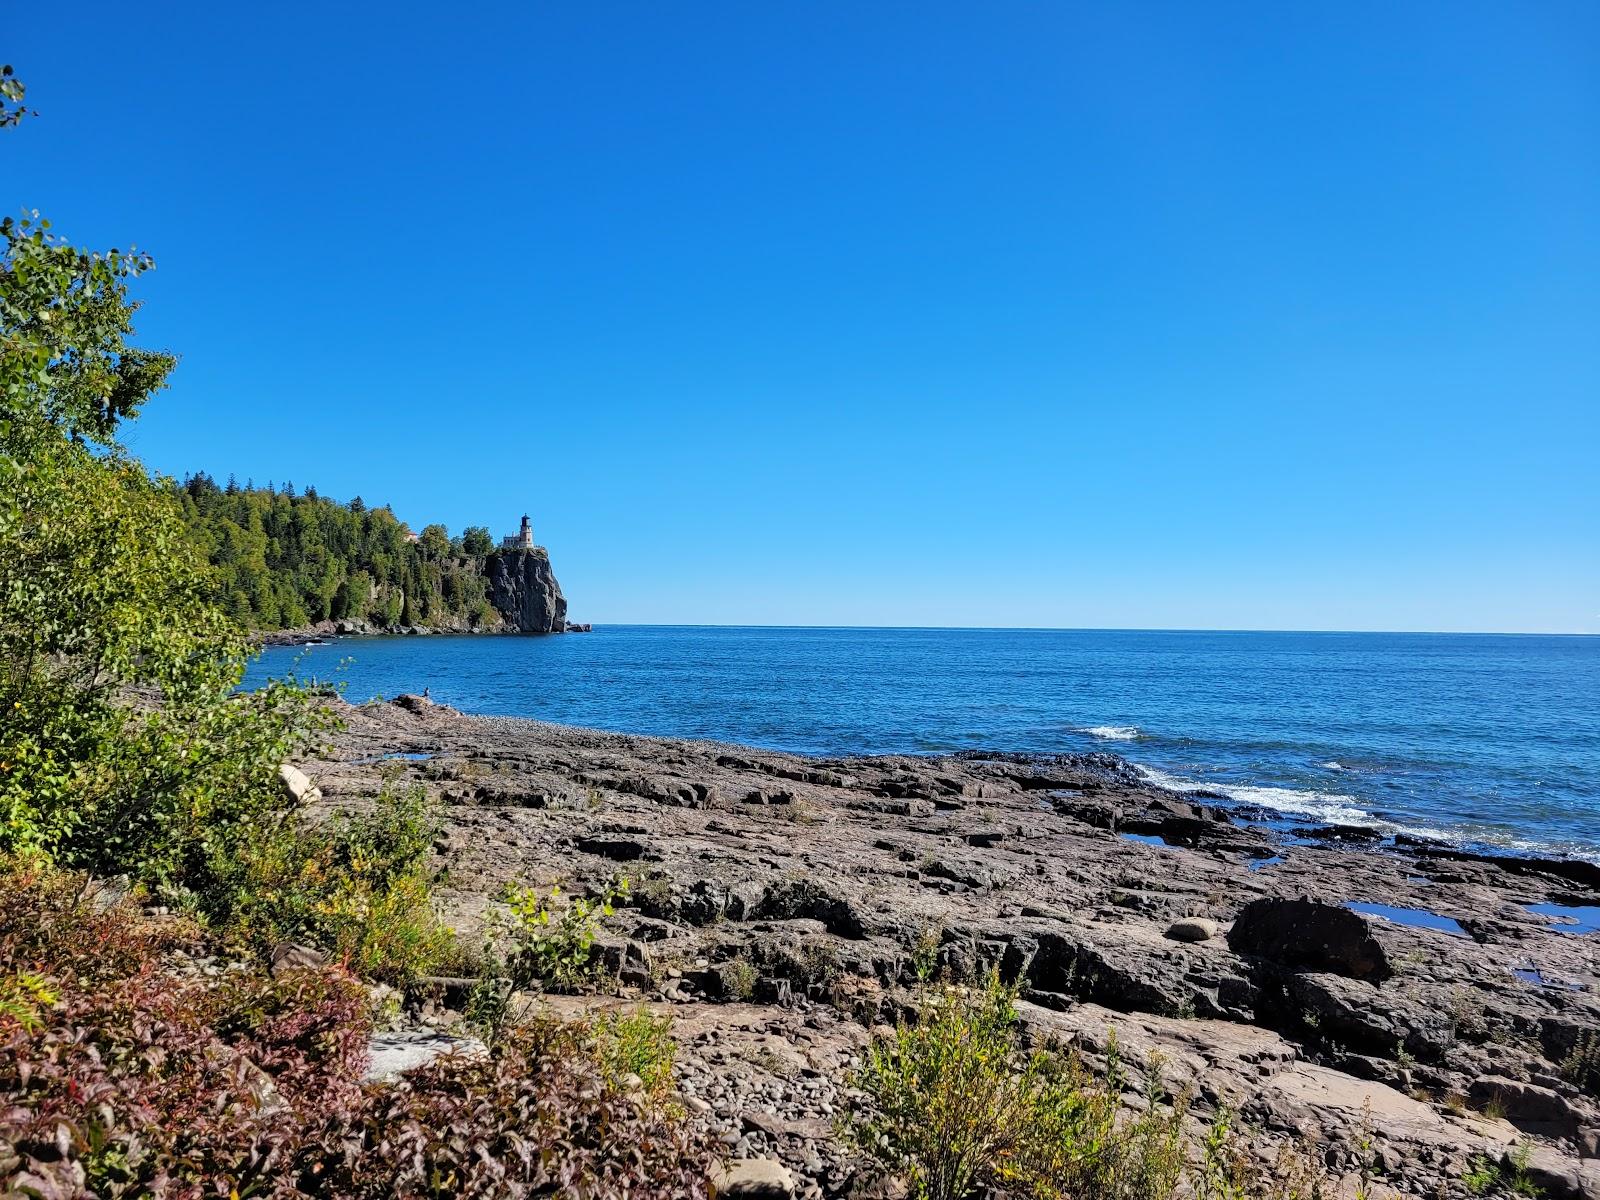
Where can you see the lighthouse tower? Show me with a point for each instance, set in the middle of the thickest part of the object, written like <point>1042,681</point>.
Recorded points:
<point>522,539</point>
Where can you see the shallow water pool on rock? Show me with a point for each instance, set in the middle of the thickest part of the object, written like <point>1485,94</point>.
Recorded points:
<point>1148,839</point>
<point>1570,918</point>
<point>1416,918</point>
<point>1534,977</point>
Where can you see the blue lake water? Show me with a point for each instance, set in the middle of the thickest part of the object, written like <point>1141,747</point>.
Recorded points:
<point>1482,739</point>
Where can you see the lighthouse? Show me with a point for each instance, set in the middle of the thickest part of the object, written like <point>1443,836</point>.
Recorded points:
<point>522,539</point>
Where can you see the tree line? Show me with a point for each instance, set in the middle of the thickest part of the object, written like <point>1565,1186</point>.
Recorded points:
<point>283,560</point>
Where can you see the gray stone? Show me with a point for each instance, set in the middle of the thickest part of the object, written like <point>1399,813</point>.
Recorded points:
<point>290,956</point>
<point>1192,929</point>
<point>754,1179</point>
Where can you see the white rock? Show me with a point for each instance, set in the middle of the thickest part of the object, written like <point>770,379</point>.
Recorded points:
<point>298,784</point>
<point>393,1054</point>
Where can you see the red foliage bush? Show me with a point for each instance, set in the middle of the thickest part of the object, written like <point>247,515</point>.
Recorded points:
<point>144,1080</point>
<point>147,1077</point>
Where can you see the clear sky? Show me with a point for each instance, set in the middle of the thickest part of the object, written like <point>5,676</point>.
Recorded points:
<point>1125,314</point>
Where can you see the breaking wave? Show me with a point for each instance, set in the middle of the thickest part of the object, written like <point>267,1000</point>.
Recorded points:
<point>1114,733</point>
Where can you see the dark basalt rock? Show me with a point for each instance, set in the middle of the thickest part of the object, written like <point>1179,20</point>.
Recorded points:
<point>524,590</point>
<point>1310,934</point>
<point>1338,833</point>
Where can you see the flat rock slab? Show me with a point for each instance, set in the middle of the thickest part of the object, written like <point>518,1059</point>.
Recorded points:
<point>393,1054</point>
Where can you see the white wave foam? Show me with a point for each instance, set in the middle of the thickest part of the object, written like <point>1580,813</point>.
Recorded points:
<point>1114,733</point>
<point>1332,807</point>
<point>1335,808</point>
<point>1333,766</point>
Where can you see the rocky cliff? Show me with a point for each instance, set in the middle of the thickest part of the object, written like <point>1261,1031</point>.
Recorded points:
<point>524,590</point>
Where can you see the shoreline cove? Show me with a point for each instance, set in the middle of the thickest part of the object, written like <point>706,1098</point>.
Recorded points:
<point>778,901</point>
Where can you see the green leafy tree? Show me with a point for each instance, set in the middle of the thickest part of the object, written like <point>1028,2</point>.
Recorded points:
<point>435,542</point>
<point>123,745</point>
<point>475,540</point>
<point>65,317</point>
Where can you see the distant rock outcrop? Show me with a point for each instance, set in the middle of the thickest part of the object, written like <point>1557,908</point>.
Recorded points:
<point>524,590</point>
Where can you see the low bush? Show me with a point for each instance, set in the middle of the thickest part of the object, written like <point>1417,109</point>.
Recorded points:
<point>535,1119</point>
<point>1581,1068</point>
<point>957,1107</point>
<point>552,936</point>
<point>543,940</point>
<point>358,885</point>
<point>137,1078</point>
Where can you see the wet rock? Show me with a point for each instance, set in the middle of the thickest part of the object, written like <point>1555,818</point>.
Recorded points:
<point>616,849</point>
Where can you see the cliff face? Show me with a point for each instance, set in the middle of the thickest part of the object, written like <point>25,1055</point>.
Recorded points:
<point>524,589</point>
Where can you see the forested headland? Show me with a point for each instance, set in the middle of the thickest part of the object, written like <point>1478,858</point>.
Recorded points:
<point>284,560</point>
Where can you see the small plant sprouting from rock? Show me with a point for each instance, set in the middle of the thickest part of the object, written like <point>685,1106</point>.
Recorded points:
<point>740,979</point>
<point>925,953</point>
<point>552,936</point>
<point>636,1045</point>
<point>1581,1068</point>
<point>1508,1175</point>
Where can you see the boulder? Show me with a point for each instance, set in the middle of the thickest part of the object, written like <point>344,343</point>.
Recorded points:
<point>1192,929</point>
<point>290,956</point>
<point>1309,934</point>
<point>754,1179</point>
<point>1528,1106</point>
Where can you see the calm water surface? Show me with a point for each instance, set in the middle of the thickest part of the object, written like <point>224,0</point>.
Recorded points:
<point>1487,739</point>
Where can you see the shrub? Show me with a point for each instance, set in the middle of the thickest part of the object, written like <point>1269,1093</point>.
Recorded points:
<point>535,1119</point>
<point>957,1107</point>
<point>359,885</point>
<point>1509,1174</point>
<point>740,978</point>
<point>136,1080</point>
<point>1581,1068</point>
<point>636,1043</point>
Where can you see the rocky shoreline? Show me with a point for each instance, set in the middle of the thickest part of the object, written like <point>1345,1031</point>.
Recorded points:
<point>323,631</point>
<point>1403,1007</point>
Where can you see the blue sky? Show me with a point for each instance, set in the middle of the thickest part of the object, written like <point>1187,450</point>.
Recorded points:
<point>1173,315</point>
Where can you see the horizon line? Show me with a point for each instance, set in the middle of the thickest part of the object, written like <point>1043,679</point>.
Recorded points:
<point>1098,629</point>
